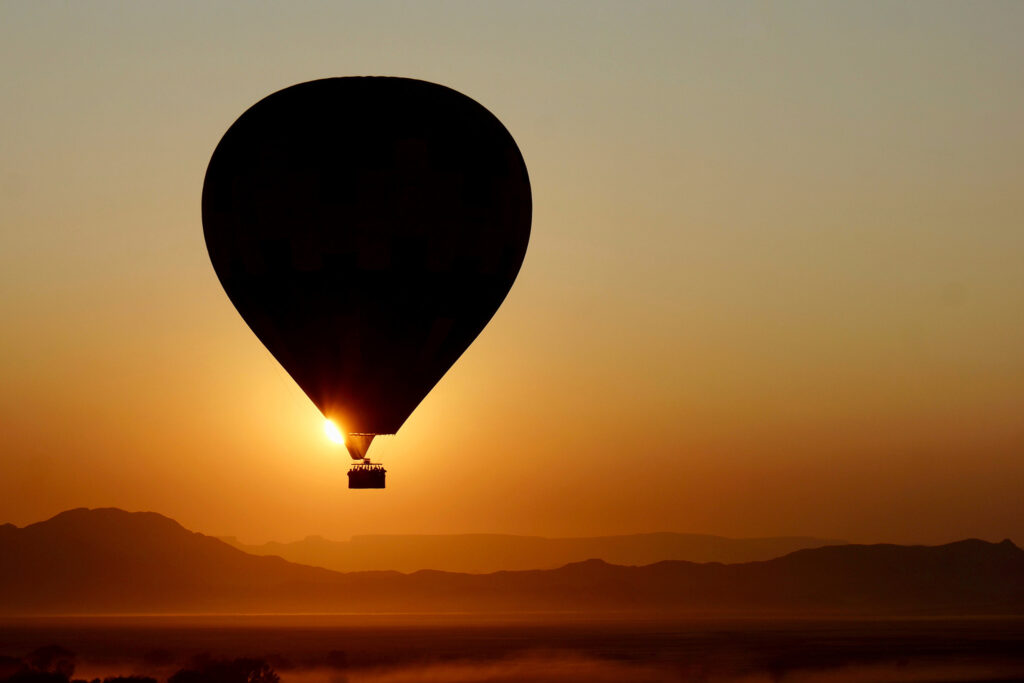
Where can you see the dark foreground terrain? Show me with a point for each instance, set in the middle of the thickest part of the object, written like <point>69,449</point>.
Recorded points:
<point>400,649</point>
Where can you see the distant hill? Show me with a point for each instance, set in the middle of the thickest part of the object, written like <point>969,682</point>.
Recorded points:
<point>110,561</point>
<point>485,553</point>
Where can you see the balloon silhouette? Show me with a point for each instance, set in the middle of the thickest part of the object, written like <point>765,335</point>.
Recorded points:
<point>366,229</point>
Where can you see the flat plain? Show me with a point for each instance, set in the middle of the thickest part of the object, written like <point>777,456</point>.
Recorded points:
<point>553,648</point>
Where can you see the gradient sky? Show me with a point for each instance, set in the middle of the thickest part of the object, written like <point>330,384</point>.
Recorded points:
<point>775,282</point>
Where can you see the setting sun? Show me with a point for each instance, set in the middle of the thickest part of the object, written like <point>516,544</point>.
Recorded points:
<point>332,432</point>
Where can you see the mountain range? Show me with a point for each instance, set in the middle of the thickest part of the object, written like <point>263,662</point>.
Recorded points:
<point>111,561</point>
<point>486,553</point>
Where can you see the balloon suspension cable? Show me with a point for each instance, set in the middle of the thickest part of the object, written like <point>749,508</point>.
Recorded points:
<point>367,475</point>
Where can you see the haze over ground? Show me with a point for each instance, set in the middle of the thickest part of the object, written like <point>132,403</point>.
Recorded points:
<point>774,286</point>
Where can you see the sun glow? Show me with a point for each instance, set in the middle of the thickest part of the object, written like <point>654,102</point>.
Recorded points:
<point>332,432</point>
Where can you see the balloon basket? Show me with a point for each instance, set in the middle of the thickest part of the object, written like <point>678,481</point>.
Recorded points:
<point>366,475</point>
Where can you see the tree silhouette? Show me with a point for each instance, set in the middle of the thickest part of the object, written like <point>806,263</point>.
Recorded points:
<point>54,664</point>
<point>48,664</point>
<point>243,670</point>
<point>52,659</point>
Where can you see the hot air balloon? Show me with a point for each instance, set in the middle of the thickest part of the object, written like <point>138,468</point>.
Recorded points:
<point>366,229</point>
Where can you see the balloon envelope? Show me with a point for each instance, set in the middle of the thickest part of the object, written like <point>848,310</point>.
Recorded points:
<point>367,229</point>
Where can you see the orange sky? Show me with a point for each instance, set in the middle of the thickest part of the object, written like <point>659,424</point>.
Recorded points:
<point>774,286</point>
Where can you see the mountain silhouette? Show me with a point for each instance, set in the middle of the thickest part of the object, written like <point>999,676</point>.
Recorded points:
<point>485,553</point>
<point>111,561</point>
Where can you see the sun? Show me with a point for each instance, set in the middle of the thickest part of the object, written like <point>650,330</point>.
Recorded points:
<point>332,432</point>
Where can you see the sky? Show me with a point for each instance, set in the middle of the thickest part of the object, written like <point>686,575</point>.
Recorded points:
<point>774,284</point>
